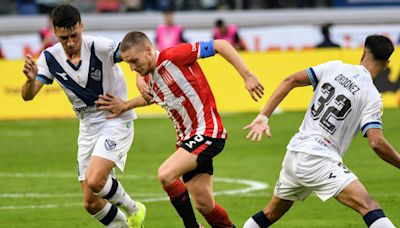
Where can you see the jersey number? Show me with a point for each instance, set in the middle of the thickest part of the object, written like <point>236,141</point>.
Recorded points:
<point>323,111</point>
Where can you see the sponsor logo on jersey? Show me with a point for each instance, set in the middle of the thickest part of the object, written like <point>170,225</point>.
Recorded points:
<point>63,75</point>
<point>96,74</point>
<point>110,144</point>
<point>173,103</point>
<point>194,48</point>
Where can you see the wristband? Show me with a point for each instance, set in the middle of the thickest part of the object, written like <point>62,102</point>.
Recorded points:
<point>263,118</point>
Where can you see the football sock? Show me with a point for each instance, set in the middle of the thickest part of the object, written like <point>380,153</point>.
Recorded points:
<point>258,220</point>
<point>114,193</point>
<point>218,218</point>
<point>111,216</point>
<point>179,197</point>
<point>377,219</point>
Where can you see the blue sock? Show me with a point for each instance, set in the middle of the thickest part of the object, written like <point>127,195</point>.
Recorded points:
<point>262,220</point>
<point>372,216</point>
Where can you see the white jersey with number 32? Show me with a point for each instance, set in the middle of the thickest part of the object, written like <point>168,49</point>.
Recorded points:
<point>345,101</point>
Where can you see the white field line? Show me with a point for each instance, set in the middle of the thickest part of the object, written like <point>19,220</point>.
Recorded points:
<point>250,186</point>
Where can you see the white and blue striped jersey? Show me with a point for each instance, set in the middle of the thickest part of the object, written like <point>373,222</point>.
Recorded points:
<point>96,73</point>
<point>345,101</point>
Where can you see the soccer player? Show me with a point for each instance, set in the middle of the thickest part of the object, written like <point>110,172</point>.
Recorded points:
<point>177,83</point>
<point>345,100</point>
<point>85,67</point>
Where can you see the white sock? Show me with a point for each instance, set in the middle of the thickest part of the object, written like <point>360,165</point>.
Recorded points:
<point>112,217</point>
<point>114,193</point>
<point>382,223</point>
<point>250,223</point>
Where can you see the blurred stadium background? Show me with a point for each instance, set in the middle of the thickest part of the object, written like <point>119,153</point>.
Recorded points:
<point>38,138</point>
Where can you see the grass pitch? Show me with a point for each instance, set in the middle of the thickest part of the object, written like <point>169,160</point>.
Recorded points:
<point>39,187</point>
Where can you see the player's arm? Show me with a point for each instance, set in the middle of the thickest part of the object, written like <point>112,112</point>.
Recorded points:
<point>259,126</point>
<point>229,53</point>
<point>31,87</point>
<point>382,147</point>
<point>117,106</point>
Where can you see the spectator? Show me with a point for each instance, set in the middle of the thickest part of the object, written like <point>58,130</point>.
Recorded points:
<point>47,6</point>
<point>228,33</point>
<point>133,5</point>
<point>168,34</point>
<point>327,38</point>
<point>47,36</point>
<point>107,6</point>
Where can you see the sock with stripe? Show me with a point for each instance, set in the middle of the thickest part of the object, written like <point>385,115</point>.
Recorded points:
<point>218,218</point>
<point>258,220</point>
<point>377,219</point>
<point>111,216</point>
<point>114,193</point>
<point>179,197</point>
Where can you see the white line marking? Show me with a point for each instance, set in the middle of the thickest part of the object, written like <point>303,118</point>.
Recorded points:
<point>251,186</point>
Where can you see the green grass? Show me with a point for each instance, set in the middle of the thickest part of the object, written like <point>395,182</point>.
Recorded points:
<point>46,150</point>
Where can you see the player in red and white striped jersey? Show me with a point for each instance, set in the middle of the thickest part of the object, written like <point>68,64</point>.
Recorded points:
<point>176,82</point>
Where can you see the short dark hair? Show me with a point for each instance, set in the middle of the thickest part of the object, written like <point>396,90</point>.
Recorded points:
<point>219,23</point>
<point>380,46</point>
<point>132,39</point>
<point>65,16</point>
<point>325,29</point>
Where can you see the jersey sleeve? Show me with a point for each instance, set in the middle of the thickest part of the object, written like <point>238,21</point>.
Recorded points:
<point>188,53</point>
<point>108,48</point>
<point>371,115</point>
<point>43,75</point>
<point>315,73</point>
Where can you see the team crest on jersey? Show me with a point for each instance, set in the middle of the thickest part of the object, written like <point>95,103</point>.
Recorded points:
<point>95,74</point>
<point>110,144</point>
<point>166,76</point>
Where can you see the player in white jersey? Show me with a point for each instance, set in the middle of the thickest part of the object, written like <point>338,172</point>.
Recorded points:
<point>85,67</point>
<point>345,101</point>
<point>177,83</point>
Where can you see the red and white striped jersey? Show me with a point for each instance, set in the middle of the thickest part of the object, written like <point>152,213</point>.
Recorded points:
<point>180,87</point>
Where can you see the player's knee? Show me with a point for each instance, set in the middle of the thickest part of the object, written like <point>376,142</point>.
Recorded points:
<point>166,178</point>
<point>204,206</point>
<point>367,205</point>
<point>96,183</point>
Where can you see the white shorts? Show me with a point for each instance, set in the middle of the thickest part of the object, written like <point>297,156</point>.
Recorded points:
<point>111,140</point>
<point>304,173</point>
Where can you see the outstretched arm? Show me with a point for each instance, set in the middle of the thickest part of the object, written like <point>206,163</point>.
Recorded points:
<point>117,106</point>
<point>382,147</point>
<point>229,53</point>
<point>259,126</point>
<point>31,87</point>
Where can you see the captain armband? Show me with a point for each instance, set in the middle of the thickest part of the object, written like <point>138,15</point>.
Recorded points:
<point>206,48</point>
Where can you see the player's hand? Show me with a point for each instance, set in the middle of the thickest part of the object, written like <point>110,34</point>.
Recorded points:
<point>111,103</point>
<point>255,88</point>
<point>258,127</point>
<point>30,68</point>
<point>143,88</point>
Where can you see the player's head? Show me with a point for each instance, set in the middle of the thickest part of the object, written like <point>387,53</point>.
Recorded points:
<point>138,52</point>
<point>325,30</point>
<point>68,28</point>
<point>221,26</point>
<point>379,48</point>
<point>168,17</point>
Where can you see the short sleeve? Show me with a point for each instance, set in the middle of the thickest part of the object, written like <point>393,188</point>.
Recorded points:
<point>44,75</point>
<point>182,54</point>
<point>315,73</point>
<point>371,116</point>
<point>108,48</point>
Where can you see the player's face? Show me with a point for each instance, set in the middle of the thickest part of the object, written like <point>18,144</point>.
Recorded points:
<point>70,38</point>
<point>140,59</point>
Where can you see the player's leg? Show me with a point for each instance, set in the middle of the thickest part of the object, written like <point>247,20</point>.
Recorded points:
<point>102,210</point>
<point>169,174</point>
<point>274,210</point>
<point>356,197</point>
<point>201,189</point>
<point>103,185</point>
